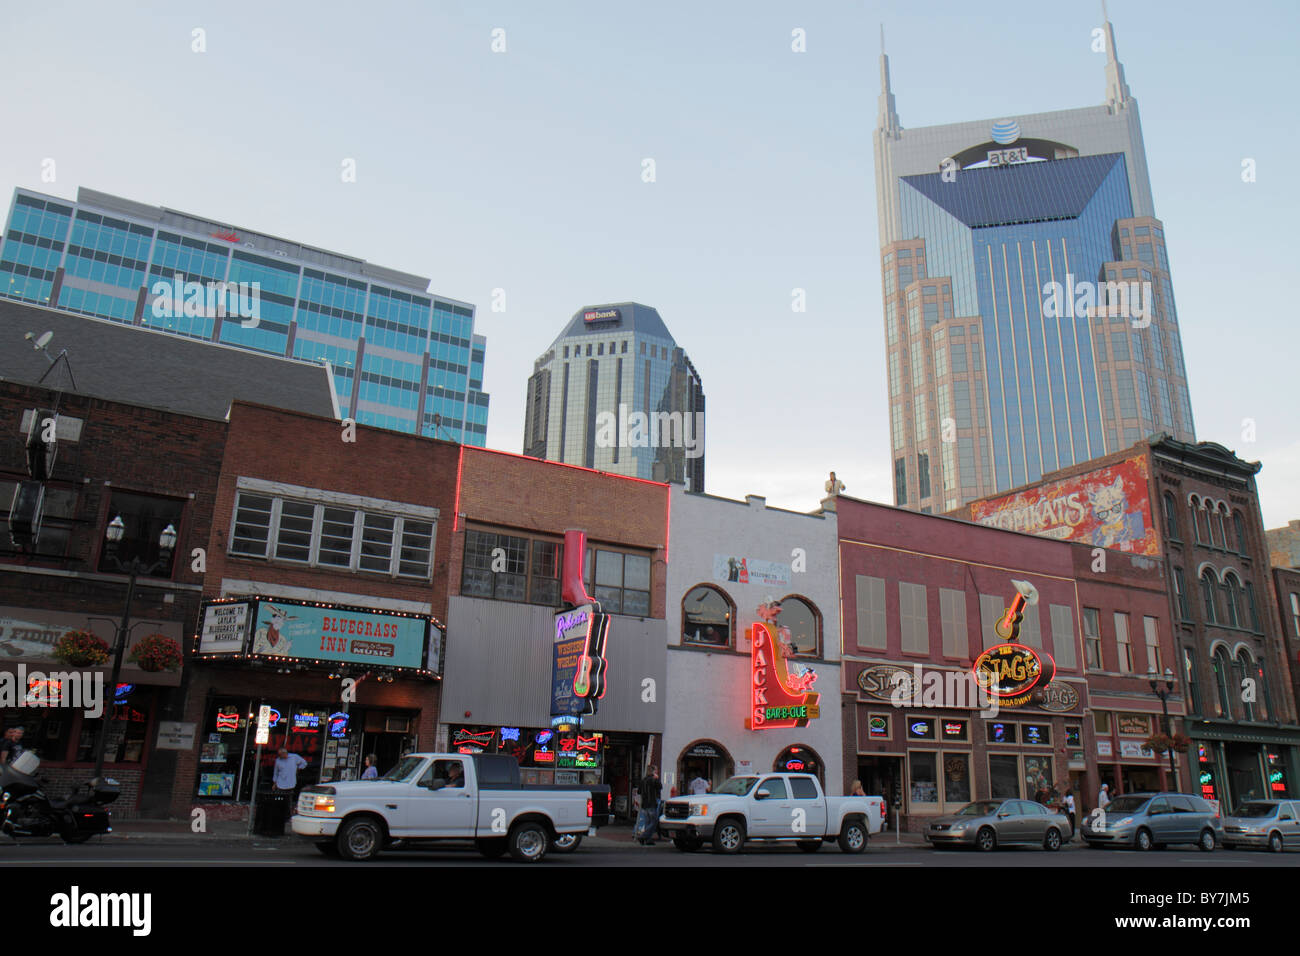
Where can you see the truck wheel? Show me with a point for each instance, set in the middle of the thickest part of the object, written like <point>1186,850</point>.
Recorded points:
<point>729,836</point>
<point>566,843</point>
<point>527,842</point>
<point>853,838</point>
<point>810,846</point>
<point>492,848</point>
<point>360,838</point>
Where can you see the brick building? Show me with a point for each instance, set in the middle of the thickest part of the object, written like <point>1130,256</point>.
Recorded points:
<point>1194,509</point>
<point>1284,545</point>
<point>507,551</point>
<point>344,535</point>
<point>153,468</point>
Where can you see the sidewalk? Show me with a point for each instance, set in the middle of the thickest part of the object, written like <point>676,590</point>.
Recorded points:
<point>878,841</point>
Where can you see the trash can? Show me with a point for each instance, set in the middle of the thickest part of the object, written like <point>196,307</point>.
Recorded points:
<point>272,813</point>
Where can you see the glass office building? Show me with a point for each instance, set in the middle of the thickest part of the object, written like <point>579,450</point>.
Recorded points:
<point>614,392</point>
<point>1029,313</point>
<point>402,358</point>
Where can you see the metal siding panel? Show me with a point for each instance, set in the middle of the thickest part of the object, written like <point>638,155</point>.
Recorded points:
<point>499,667</point>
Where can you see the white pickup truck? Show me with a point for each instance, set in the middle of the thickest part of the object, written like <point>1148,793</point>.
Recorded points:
<point>777,808</point>
<point>448,797</point>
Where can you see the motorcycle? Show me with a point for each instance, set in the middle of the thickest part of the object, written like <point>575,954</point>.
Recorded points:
<point>25,810</point>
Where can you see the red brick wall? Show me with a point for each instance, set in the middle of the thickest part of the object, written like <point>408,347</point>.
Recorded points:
<point>512,491</point>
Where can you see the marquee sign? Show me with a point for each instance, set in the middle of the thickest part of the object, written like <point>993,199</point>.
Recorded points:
<point>1010,672</point>
<point>779,698</point>
<point>882,681</point>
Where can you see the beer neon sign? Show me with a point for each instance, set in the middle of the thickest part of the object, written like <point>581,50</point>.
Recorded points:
<point>779,699</point>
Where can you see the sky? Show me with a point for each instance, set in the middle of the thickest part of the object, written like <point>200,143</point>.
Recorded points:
<point>523,170</point>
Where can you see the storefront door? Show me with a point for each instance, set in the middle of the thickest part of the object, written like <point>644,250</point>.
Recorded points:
<point>883,777</point>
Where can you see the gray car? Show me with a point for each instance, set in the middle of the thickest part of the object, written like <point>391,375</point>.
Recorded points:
<point>987,824</point>
<point>1152,820</point>
<point>1271,823</point>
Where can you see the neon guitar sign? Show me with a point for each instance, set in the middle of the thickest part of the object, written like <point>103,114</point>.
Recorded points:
<point>589,682</point>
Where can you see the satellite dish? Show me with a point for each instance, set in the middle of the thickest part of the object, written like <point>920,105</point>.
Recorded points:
<point>41,341</point>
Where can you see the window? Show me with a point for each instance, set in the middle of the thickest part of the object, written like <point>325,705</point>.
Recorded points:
<point>922,459</point>
<point>1063,636</point>
<point>1295,614</point>
<point>1101,722</point>
<point>1239,526</point>
<point>1171,516</point>
<point>145,517</point>
<point>872,632</point>
<point>1001,733</point>
<point>1031,628</point>
<point>707,614</point>
<point>925,779</point>
<point>1250,607</point>
<point>913,621</point>
<point>1230,592</point>
<point>801,788</point>
<point>58,511</point>
<point>1246,671</point>
<point>775,788</point>
<point>1189,675</point>
<point>1122,641</point>
<point>331,536</point>
<point>1207,593</point>
<point>952,613</point>
<point>622,582</point>
<point>956,777</point>
<point>900,479</point>
<point>496,567</point>
<point>1149,625</point>
<point>1092,636</point>
<point>804,624</point>
<point>1180,593</point>
<point>1223,705</point>
<point>1004,776</point>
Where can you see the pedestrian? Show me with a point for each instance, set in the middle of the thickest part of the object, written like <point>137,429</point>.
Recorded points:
<point>699,784</point>
<point>1069,810</point>
<point>855,790</point>
<point>284,773</point>
<point>647,826</point>
<point>12,746</point>
<point>371,772</point>
<point>1103,797</point>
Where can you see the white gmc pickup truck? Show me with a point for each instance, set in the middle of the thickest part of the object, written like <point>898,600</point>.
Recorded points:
<point>777,808</point>
<point>449,797</point>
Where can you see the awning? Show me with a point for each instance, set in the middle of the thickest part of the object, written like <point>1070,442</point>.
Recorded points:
<point>1236,733</point>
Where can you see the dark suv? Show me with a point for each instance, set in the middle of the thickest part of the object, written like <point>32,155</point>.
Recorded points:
<point>1146,820</point>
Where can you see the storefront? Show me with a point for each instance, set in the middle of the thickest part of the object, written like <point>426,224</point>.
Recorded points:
<point>60,707</point>
<point>330,683</point>
<point>1124,763</point>
<point>1235,764</point>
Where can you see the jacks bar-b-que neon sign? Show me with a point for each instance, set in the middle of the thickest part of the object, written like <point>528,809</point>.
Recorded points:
<point>779,698</point>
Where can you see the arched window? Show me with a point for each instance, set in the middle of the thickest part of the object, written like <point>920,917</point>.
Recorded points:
<point>1231,589</point>
<point>1171,516</point>
<point>1216,516</point>
<point>1222,675</point>
<point>1208,586</point>
<point>707,616</point>
<point>1239,525</point>
<point>805,625</point>
<point>1246,671</point>
<point>1198,512</point>
<point>799,759</point>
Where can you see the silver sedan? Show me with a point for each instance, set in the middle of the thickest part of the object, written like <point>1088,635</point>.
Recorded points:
<point>988,824</point>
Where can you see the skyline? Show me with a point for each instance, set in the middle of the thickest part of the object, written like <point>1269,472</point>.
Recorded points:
<point>721,239</point>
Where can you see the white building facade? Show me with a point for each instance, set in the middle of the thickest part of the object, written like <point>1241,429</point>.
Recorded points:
<point>726,559</point>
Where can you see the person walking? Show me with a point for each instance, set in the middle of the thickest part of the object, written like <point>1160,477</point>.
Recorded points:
<point>699,785</point>
<point>648,826</point>
<point>1069,812</point>
<point>1103,797</point>
<point>284,773</point>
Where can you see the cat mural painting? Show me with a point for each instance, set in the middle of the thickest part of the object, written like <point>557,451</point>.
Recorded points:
<point>1106,508</point>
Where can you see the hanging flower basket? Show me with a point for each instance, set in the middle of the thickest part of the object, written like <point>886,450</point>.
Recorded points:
<point>1159,743</point>
<point>80,649</point>
<point>156,652</point>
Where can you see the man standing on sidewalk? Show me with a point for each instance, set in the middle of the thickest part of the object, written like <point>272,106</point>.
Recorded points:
<point>650,791</point>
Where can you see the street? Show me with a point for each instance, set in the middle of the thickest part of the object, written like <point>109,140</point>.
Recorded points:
<point>614,853</point>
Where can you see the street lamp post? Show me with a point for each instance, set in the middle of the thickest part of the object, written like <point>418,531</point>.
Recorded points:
<point>135,567</point>
<point>1163,693</point>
